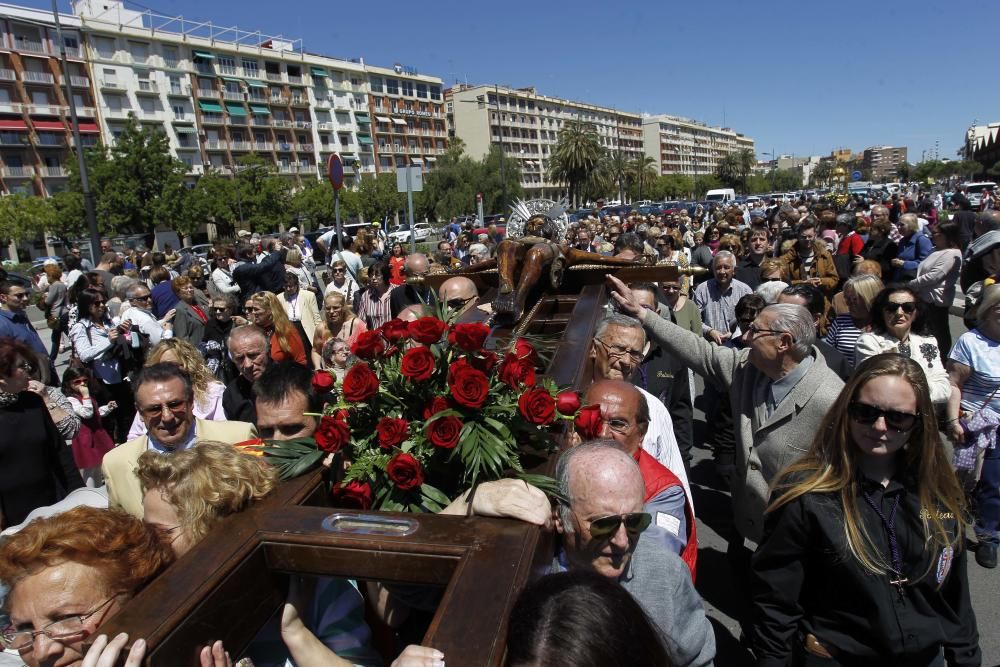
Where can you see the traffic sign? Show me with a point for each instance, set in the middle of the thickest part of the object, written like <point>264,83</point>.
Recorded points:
<point>855,175</point>
<point>409,179</point>
<point>335,171</point>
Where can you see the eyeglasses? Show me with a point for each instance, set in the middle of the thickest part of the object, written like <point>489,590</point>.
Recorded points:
<point>340,270</point>
<point>252,309</point>
<point>173,407</point>
<point>455,304</point>
<point>670,288</point>
<point>64,628</point>
<point>605,526</point>
<point>140,297</point>
<point>753,330</point>
<point>219,309</point>
<point>869,414</point>
<point>17,295</point>
<point>617,351</point>
<point>908,307</point>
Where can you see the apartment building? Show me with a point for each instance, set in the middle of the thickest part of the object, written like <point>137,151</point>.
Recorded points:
<point>686,146</point>
<point>408,114</point>
<point>526,124</point>
<point>884,162</point>
<point>34,114</point>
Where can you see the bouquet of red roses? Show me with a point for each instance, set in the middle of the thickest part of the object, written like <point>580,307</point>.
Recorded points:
<point>428,411</point>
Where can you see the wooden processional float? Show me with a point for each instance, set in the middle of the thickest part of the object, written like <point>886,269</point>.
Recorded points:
<point>236,578</point>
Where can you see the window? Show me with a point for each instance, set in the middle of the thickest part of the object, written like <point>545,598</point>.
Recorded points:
<point>148,105</point>
<point>117,102</point>
<point>376,84</point>
<point>250,67</point>
<point>170,55</point>
<point>105,47</point>
<point>139,51</point>
<point>40,97</point>
<point>422,90</point>
<point>71,42</point>
<point>178,111</point>
<point>392,86</point>
<point>435,92</point>
<point>227,65</point>
<point>408,88</point>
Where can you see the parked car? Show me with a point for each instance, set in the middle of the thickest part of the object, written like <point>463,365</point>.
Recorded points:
<point>401,233</point>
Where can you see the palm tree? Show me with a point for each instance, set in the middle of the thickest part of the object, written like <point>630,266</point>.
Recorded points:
<point>616,166</point>
<point>575,156</point>
<point>643,172</point>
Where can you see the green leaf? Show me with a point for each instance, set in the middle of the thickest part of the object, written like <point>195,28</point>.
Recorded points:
<point>435,495</point>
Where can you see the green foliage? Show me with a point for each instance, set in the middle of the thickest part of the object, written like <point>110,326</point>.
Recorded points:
<point>671,186</point>
<point>264,197</point>
<point>451,188</point>
<point>704,183</point>
<point>69,216</point>
<point>24,216</point>
<point>377,196</point>
<point>575,157</point>
<point>821,175</point>
<point>735,168</point>
<point>782,180</point>
<point>642,173</point>
<point>136,183</point>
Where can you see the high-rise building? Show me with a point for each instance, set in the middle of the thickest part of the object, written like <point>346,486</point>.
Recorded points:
<point>527,124</point>
<point>409,117</point>
<point>884,162</point>
<point>34,120</point>
<point>685,146</point>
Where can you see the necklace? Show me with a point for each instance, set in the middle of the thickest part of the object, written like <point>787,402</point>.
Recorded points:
<point>889,523</point>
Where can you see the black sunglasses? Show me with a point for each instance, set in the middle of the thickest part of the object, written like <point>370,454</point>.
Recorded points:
<point>909,307</point>
<point>869,414</point>
<point>458,303</point>
<point>605,526</point>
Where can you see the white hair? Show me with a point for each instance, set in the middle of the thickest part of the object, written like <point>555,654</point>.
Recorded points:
<point>770,291</point>
<point>723,254</point>
<point>797,321</point>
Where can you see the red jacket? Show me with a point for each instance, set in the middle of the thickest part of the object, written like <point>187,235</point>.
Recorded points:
<point>852,244</point>
<point>658,478</point>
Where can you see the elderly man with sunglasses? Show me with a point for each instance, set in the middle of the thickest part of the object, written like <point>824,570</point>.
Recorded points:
<point>164,399</point>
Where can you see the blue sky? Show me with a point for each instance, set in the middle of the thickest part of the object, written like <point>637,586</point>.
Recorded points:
<point>799,77</point>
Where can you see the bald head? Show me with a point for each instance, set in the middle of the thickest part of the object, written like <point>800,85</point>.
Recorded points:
<point>624,412</point>
<point>600,469</point>
<point>987,221</point>
<point>417,264</point>
<point>459,293</point>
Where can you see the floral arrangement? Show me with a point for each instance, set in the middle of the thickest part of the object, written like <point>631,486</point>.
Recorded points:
<point>428,411</point>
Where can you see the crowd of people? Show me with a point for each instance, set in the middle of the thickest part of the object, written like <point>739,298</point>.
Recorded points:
<point>857,439</point>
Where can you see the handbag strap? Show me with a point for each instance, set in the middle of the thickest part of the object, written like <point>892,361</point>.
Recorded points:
<point>988,400</point>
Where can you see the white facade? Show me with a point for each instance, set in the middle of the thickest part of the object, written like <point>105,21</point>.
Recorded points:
<point>685,146</point>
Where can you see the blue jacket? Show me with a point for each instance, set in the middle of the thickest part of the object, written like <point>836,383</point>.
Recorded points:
<point>17,326</point>
<point>912,252</point>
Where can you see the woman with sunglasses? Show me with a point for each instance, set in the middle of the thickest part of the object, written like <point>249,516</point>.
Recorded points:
<point>670,251</point>
<point>894,312</point>
<point>863,559</point>
<point>99,342</point>
<point>339,323</point>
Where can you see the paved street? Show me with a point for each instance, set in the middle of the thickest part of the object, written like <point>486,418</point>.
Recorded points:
<point>717,587</point>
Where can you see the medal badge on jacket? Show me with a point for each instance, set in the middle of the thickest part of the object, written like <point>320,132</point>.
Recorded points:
<point>944,563</point>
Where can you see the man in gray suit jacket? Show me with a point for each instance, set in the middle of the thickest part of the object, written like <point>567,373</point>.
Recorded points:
<point>779,386</point>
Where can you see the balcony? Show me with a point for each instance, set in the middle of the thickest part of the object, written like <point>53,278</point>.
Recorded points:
<point>279,99</point>
<point>263,146</point>
<point>46,109</point>
<point>51,141</point>
<point>179,90</point>
<point>288,168</point>
<point>295,78</point>
<point>261,121</point>
<point>303,125</point>
<point>54,172</point>
<point>37,77</point>
<point>273,76</point>
<point>216,145</point>
<point>112,84</point>
<point>233,96</point>
<point>281,122</point>
<point>300,101</point>
<point>323,103</point>
<point>212,118</point>
<point>254,96</point>
<point>11,107</point>
<point>284,146</point>
<point>74,52</point>
<point>238,121</point>
<point>324,127</point>
<point>78,81</point>
<point>13,139</point>
<point>203,67</point>
<point>147,87</point>
<point>88,112</point>
<point>308,148</point>
<point>18,172</point>
<point>241,146</point>
<point>30,45</point>
<point>208,93</point>
<point>8,75</point>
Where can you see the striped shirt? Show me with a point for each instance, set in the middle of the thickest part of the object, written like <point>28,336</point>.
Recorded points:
<point>982,355</point>
<point>842,335</point>
<point>373,310</point>
<point>718,309</point>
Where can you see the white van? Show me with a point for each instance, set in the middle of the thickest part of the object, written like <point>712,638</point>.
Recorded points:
<point>975,191</point>
<point>721,195</point>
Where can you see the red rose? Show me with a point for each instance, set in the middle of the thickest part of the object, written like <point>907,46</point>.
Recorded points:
<point>537,406</point>
<point>439,404</point>
<point>567,402</point>
<point>332,434</point>
<point>395,330</point>
<point>470,387</point>
<point>526,351</point>
<point>588,422</point>
<point>427,330</point>
<point>514,372</point>
<point>470,336</point>
<point>368,345</point>
<point>353,495</point>
<point>443,432</point>
<point>360,383</point>
<point>391,431</point>
<point>405,472</point>
<point>323,381</point>
<point>418,364</point>
<point>485,361</point>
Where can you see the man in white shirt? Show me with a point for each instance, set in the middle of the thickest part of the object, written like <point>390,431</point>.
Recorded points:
<point>141,316</point>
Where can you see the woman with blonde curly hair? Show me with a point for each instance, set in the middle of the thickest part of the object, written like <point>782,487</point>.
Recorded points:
<point>187,495</point>
<point>208,391</point>
<point>266,311</point>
